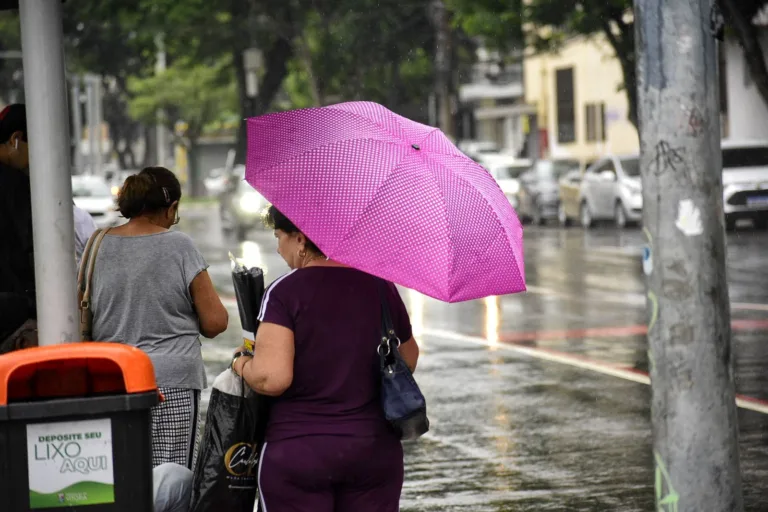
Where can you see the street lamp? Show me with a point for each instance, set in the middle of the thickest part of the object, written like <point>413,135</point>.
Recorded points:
<point>253,61</point>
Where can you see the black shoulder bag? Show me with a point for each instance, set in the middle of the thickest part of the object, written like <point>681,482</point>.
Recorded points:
<point>404,405</point>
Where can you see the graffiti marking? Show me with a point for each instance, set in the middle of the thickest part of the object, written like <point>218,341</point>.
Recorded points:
<point>667,157</point>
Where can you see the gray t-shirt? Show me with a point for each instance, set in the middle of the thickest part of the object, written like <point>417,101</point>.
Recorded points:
<point>141,297</point>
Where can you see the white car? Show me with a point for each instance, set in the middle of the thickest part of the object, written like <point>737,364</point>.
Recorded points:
<point>611,190</point>
<point>475,149</point>
<point>93,194</point>
<point>745,183</point>
<point>506,170</point>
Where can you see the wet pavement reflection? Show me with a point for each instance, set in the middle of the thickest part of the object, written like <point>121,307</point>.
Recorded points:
<point>536,400</point>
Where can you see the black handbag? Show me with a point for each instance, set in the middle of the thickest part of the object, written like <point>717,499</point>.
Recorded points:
<point>404,405</point>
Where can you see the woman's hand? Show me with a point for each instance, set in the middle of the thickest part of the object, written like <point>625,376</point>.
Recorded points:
<point>238,364</point>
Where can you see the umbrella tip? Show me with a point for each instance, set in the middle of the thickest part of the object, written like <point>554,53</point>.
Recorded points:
<point>416,147</point>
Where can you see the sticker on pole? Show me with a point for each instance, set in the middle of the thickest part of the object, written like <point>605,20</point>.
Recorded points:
<point>70,463</point>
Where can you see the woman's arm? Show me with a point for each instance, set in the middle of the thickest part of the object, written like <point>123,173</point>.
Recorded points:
<point>211,312</point>
<point>409,351</point>
<point>270,370</point>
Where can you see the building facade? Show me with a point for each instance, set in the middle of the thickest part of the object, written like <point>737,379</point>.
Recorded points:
<point>581,107</point>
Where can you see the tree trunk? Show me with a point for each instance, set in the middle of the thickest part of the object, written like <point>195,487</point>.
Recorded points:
<point>693,403</point>
<point>150,143</point>
<point>747,35</point>
<point>624,48</point>
<point>195,180</point>
<point>306,59</point>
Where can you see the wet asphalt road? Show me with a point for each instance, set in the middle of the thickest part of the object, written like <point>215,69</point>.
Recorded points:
<point>524,416</point>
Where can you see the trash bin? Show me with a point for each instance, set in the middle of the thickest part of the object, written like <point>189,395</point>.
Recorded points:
<point>75,429</point>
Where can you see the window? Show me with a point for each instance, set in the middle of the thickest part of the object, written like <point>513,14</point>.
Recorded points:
<point>566,108</point>
<point>595,118</point>
<point>756,156</point>
<point>631,167</point>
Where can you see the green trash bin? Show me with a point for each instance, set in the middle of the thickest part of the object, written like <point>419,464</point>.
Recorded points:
<point>75,428</point>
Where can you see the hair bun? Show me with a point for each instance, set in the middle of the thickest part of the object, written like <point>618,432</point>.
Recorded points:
<point>149,191</point>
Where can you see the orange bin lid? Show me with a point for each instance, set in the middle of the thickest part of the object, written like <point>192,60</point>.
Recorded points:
<point>74,369</point>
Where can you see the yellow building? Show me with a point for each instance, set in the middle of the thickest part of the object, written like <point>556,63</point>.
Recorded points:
<point>582,110</point>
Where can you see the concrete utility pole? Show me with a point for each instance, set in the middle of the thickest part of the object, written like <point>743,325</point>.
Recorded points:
<point>693,399</point>
<point>42,43</point>
<point>443,66</point>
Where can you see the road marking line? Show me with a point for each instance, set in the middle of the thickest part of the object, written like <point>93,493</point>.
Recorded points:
<point>622,372</point>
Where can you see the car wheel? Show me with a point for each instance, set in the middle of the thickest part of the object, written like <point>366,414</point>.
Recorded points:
<point>730,223</point>
<point>585,216</point>
<point>620,216</point>
<point>562,217</point>
<point>760,223</point>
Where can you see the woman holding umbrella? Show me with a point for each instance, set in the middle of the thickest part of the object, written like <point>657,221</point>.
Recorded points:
<point>328,446</point>
<point>368,193</point>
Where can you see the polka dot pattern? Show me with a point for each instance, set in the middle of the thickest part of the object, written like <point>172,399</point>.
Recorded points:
<point>389,196</point>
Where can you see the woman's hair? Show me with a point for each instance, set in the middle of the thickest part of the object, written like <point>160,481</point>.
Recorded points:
<point>149,191</point>
<point>274,219</point>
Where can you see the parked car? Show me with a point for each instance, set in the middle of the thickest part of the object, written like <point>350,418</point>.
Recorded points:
<point>476,149</point>
<point>611,190</point>
<point>240,206</point>
<point>506,170</point>
<point>92,194</point>
<point>538,196</point>
<point>745,183</point>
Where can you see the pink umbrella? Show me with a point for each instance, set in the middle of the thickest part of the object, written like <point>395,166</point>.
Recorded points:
<point>390,197</point>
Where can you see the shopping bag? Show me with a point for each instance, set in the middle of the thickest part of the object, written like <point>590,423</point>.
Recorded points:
<point>225,474</point>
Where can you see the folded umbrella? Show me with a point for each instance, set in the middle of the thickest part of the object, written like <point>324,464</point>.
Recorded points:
<point>249,290</point>
<point>390,197</point>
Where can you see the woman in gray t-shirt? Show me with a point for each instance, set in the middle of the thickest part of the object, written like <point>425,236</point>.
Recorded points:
<point>151,290</point>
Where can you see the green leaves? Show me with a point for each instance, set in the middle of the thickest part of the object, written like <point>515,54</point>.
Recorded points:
<point>196,94</point>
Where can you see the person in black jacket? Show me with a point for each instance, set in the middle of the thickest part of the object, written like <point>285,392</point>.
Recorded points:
<point>17,268</point>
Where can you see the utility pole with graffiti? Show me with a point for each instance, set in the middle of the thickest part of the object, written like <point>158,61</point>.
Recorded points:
<point>695,434</point>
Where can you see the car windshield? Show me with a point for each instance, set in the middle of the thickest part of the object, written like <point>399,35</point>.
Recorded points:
<point>90,188</point>
<point>631,167</point>
<point>745,157</point>
<point>555,169</point>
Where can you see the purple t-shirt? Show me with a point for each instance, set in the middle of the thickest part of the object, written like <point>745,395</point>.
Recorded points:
<point>335,316</point>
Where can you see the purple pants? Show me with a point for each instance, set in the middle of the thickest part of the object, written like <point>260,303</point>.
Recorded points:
<point>331,474</point>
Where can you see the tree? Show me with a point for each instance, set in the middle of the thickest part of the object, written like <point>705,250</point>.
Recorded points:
<point>378,51</point>
<point>110,39</point>
<point>195,94</point>
<point>548,23</point>
<point>739,14</point>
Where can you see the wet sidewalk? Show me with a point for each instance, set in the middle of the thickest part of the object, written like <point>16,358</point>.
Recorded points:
<point>538,401</point>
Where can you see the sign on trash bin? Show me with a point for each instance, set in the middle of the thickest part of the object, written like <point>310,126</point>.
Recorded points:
<point>70,463</point>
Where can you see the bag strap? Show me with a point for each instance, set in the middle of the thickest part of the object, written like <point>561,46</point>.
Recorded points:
<point>389,340</point>
<point>86,299</point>
<point>84,263</point>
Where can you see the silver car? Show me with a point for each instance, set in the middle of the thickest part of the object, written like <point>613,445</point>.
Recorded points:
<point>612,190</point>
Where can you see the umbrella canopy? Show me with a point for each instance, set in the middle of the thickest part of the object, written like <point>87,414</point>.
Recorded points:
<point>389,196</point>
